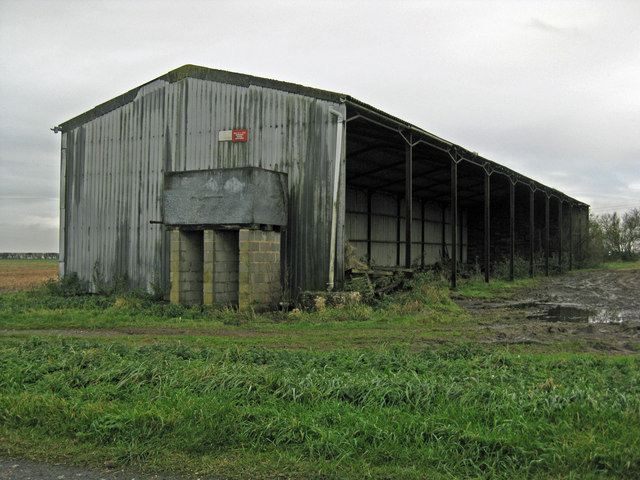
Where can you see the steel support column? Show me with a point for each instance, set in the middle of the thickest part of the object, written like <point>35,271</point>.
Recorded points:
<point>512,227</point>
<point>546,235</point>
<point>408,199</point>
<point>487,225</point>
<point>570,237</point>
<point>444,233</point>
<point>580,247</point>
<point>461,237</point>
<point>422,233</point>
<point>454,221</point>
<point>531,230</point>
<point>560,236</point>
<point>369,230</point>
<point>398,229</point>
<point>587,230</point>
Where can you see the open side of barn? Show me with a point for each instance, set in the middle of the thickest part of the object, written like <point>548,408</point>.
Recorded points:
<point>397,171</point>
<point>223,188</point>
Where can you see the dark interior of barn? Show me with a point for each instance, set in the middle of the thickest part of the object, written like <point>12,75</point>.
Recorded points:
<point>500,216</point>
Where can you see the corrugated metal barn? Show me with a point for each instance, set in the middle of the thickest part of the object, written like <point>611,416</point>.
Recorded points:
<point>203,174</point>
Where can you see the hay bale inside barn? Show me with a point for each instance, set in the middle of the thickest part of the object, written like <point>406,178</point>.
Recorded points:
<point>223,188</point>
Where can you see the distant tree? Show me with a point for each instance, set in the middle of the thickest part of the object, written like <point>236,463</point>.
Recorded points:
<point>596,251</point>
<point>614,236</point>
<point>631,233</point>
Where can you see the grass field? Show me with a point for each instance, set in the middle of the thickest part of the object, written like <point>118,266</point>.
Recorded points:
<point>454,413</point>
<point>406,388</point>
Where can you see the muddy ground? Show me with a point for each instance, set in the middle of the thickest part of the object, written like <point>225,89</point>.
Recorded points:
<point>598,311</point>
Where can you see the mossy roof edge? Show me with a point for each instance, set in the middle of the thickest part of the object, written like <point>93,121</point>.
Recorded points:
<point>201,73</point>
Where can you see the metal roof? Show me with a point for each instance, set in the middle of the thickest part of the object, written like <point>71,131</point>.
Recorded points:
<point>202,73</point>
<point>361,109</point>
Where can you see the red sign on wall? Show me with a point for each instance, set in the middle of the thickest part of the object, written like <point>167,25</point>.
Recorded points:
<point>239,135</point>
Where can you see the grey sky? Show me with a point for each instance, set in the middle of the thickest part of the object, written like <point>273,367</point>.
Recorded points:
<point>548,88</point>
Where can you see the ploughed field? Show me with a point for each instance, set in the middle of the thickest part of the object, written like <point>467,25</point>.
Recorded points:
<point>491,381</point>
<point>18,275</point>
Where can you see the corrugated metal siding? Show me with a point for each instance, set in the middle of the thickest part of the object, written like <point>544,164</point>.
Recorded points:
<point>288,133</point>
<point>114,179</point>
<point>115,167</point>
<point>384,229</point>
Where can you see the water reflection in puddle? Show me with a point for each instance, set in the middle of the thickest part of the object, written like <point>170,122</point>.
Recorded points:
<point>563,313</point>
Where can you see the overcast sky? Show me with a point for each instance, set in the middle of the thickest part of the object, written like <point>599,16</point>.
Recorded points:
<point>548,88</point>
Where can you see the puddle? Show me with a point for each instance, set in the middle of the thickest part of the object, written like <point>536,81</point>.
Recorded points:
<point>614,316</point>
<point>563,313</point>
<point>566,314</point>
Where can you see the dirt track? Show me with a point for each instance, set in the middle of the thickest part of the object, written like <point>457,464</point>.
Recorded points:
<point>599,309</point>
<point>596,311</point>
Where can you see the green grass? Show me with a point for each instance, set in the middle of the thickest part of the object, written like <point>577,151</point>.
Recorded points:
<point>394,390</point>
<point>634,265</point>
<point>404,322</point>
<point>46,308</point>
<point>496,289</point>
<point>615,265</point>
<point>386,413</point>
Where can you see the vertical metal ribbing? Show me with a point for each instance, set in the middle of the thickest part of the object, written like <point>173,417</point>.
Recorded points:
<point>454,221</point>
<point>487,226</point>
<point>546,235</point>
<point>531,230</point>
<point>512,227</point>
<point>408,199</point>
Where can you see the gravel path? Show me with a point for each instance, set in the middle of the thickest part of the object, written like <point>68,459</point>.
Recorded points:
<point>25,470</point>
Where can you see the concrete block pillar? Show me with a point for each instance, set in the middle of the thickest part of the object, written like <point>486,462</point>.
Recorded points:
<point>208,289</point>
<point>220,284</point>
<point>259,269</point>
<point>186,267</point>
<point>174,266</point>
